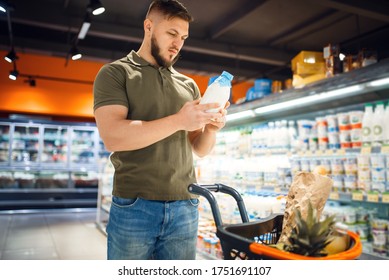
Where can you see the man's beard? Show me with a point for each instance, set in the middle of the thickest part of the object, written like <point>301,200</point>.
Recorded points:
<point>155,52</point>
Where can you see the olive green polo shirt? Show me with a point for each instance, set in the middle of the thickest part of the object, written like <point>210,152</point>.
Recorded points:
<point>163,170</point>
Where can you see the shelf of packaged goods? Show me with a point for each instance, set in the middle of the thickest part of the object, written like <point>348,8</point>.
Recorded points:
<point>363,85</point>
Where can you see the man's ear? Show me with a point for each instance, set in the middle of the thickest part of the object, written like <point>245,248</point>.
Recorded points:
<point>147,24</point>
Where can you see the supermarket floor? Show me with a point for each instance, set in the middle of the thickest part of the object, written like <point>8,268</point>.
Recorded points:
<point>52,235</point>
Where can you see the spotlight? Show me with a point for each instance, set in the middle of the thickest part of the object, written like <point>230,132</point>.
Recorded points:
<point>11,56</point>
<point>85,27</point>
<point>96,7</point>
<point>3,7</point>
<point>74,52</point>
<point>13,75</point>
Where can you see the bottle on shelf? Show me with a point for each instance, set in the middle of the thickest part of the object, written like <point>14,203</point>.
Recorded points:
<point>367,125</point>
<point>218,91</point>
<point>293,138</point>
<point>386,128</point>
<point>378,124</point>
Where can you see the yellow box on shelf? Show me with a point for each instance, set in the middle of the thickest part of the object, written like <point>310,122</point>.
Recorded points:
<point>308,69</point>
<point>299,81</point>
<point>308,57</point>
<point>304,63</point>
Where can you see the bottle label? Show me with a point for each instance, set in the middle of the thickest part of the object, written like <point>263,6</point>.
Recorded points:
<point>377,130</point>
<point>366,131</point>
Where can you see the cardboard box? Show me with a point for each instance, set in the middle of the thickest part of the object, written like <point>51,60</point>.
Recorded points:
<point>308,63</point>
<point>300,81</point>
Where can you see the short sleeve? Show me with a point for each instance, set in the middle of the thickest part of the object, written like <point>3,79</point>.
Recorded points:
<point>109,87</point>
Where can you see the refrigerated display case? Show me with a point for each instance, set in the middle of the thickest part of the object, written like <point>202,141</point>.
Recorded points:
<point>49,165</point>
<point>4,143</point>
<point>25,144</point>
<point>55,146</point>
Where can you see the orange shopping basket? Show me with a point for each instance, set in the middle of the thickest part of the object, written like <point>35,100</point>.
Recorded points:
<point>250,240</point>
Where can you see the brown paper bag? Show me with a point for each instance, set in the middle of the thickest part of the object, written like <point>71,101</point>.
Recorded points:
<point>305,187</point>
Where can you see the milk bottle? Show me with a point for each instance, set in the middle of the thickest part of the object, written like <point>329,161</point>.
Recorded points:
<point>218,91</point>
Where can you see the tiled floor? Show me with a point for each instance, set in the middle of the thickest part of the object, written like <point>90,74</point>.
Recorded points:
<point>51,236</point>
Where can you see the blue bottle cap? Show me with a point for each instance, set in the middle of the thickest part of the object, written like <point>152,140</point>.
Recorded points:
<point>227,75</point>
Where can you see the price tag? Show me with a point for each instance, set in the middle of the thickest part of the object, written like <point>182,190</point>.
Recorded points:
<point>341,152</point>
<point>385,198</point>
<point>329,152</point>
<point>319,153</point>
<point>308,153</point>
<point>366,150</point>
<point>289,154</point>
<point>357,196</point>
<point>277,189</point>
<point>334,195</point>
<point>385,149</point>
<point>372,197</point>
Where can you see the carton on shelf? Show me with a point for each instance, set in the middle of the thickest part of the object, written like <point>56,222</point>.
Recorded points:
<point>307,67</point>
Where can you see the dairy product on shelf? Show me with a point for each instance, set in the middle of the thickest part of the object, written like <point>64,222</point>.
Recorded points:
<point>367,125</point>
<point>386,127</point>
<point>378,124</point>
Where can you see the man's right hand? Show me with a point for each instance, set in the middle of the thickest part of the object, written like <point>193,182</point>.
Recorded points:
<point>193,115</point>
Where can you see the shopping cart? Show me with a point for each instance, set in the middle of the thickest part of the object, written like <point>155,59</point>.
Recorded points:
<point>250,240</point>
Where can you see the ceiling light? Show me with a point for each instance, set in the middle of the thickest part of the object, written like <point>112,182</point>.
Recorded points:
<point>74,52</point>
<point>96,7</point>
<point>13,75</point>
<point>4,6</point>
<point>84,28</point>
<point>11,56</point>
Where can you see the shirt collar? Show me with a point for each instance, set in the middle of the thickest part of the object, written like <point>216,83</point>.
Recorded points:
<point>135,59</point>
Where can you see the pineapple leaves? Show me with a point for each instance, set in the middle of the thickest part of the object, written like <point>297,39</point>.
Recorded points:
<point>310,236</point>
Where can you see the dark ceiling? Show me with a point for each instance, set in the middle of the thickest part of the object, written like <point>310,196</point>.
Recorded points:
<point>249,38</point>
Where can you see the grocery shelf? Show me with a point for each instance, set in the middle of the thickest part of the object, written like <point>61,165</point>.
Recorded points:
<point>49,164</point>
<point>358,77</point>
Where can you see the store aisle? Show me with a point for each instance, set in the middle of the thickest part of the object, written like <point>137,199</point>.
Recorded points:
<point>51,236</point>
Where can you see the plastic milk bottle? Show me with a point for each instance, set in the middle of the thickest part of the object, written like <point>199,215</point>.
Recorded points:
<point>218,91</point>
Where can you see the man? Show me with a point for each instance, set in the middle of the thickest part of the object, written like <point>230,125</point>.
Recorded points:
<point>149,116</point>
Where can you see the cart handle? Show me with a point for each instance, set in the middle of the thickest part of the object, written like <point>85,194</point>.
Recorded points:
<point>205,191</point>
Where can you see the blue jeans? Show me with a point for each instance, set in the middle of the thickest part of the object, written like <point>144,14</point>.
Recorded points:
<point>140,229</point>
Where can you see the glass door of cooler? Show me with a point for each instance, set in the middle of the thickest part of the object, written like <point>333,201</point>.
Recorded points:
<point>55,146</point>
<point>5,129</point>
<point>25,144</point>
<point>83,147</point>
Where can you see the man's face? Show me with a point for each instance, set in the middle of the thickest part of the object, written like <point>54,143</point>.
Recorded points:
<point>167,40</point>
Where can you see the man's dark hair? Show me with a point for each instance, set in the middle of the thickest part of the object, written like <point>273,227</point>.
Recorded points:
<point>170,9</point>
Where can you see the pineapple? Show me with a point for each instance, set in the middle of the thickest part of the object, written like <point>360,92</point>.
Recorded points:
<point>310,236</point>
